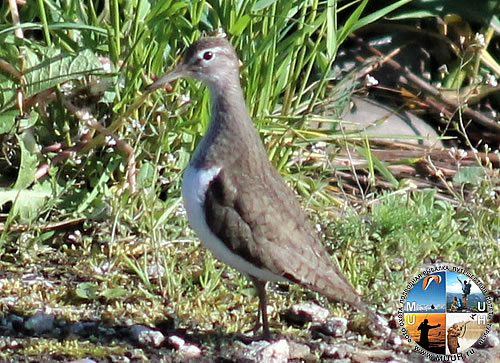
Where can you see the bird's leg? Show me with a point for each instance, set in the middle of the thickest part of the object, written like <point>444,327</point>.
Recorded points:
<point>260,286</point>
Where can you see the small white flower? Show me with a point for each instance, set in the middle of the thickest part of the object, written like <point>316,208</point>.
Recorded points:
<point>443,70</point>
<point>164,180</point>
<point>75,236</point>
<point>183,99</point>
<point>66,88</point>
<point>110,141</point>
<point>491,80</point>
<point>370,81</point>
<point>479,38</point>
<point>137,125</point>
<point>106,64</point>
<point>457,154</point>
<point>171,158</point>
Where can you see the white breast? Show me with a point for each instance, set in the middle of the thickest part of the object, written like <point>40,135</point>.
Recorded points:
<point>194,186</point>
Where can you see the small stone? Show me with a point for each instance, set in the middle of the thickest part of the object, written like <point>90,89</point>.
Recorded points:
<point>40,323</point>
<point>9,343</point>
<point>156,271</point>
<point>276,352</point>
<point>83,329</point>
<point>308,312</point>
<point>146,336</point>
<point>299,351</point>
<point>334,327</point>
<point>264,351</point>
<point>188,350</point>
<point>15,322</point>
<point>337,351</point>
<point>119,358</point>
<point>378,355</point>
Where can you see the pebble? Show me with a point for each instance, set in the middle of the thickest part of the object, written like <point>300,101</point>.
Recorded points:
<point>334,327</point>
<point>40,323</point>
<point>337,351</point>
<point>264,351</point>
<point>187,349</point>
<point>83,328</point>
<point>299,351</point>
<point>146,336</point>
<point>299,314</point>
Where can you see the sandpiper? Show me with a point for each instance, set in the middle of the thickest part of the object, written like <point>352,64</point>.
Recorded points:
<point>236,201</point>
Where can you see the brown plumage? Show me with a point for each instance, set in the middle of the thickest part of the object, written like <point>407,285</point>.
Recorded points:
<point>247,205</point>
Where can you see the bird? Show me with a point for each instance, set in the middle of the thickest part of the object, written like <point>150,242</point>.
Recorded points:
<point>238,204</point>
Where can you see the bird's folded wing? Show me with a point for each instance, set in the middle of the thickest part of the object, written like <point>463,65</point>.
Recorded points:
<point>263,223</point>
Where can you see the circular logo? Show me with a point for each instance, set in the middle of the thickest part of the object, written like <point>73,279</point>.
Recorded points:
<point>445,310</point>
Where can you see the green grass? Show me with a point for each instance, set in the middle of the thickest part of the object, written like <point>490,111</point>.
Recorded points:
<point>135,260</point>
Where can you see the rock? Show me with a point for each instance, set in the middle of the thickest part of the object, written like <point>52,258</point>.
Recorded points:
<point>378,355</point>
<point>83,329</point>
<point>146,336</point>
<point>264,351</point>
<point>40,323</point>
<point>188,350</point>
<point>334,327</point>
<point>336,351</point>
<point>299,352</point>
<point>374,119</point>
<point>14,322</point>
<point>307,312</point>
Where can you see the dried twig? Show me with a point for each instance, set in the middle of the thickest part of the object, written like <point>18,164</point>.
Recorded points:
<point>90,120</point>
<point>46,227</point>
<point>412,79</point>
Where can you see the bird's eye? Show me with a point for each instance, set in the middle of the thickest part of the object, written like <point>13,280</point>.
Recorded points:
<point>208,55</point>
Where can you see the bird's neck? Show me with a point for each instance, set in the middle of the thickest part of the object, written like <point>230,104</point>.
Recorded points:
<point>231,133</point>
<point>228,107</point>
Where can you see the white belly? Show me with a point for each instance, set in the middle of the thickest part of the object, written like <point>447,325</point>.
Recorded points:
<point>194,185</point>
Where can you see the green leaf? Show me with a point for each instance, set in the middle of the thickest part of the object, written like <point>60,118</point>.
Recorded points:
<point>7,121</point>
<point>29,161</point>
<point>58,67</point>
<point>145,178</point>
<point>352,22</point>
<point>86,290</point>
<point>331,26</point>
<point>375,163</point>
<point>240,25</point>
<point>26,203</point>
<point>469,175</point>
<point>262,4</point>
<point>373,17</point>
<point>113,293</point>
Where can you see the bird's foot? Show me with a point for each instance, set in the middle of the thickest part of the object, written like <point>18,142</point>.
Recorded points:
<point>247,339</point>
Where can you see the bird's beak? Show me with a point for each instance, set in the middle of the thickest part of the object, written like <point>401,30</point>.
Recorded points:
<point>178,72</point>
